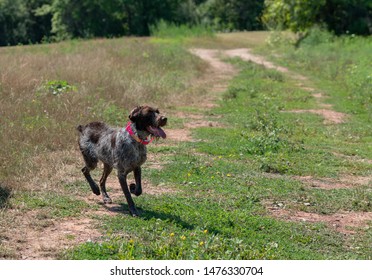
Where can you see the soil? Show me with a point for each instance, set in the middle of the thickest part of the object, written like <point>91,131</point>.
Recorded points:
<point>346,182</point>
<point>330,116</point>
<point>344,222</point>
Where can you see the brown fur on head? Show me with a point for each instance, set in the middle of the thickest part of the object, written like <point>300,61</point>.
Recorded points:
<point>149,119</point>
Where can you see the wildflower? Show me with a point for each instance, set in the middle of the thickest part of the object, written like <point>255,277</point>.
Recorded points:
<point>183,237</point>
<point>205,231</point>
<point>201,243</point>
<point>228,175</point>
<point>172,234</point>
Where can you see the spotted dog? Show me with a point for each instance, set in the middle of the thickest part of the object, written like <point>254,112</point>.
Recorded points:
<point>121,148</point>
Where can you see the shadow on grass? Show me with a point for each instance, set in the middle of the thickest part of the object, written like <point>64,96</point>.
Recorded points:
<point>148,215</point>
<point>5,194</point>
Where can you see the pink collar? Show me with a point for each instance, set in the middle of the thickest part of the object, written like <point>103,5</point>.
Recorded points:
<point>135,136</point>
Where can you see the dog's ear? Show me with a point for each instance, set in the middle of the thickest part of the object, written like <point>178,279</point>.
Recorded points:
<point>134,114</point>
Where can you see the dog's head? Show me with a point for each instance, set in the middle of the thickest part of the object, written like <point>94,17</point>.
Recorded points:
<point>148,119</point>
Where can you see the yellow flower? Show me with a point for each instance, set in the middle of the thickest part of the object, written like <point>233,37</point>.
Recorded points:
<point>228,175</point>
<point>201,243</point>
<point>131,241</point>
<point>172,234</point>
<point>183,237</point>
<point>205,231</point>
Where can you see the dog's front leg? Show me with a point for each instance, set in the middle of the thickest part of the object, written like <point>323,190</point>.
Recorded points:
<point>124,186</point>
<point>136,188</point>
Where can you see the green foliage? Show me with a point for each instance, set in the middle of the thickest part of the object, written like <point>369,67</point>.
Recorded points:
<point>57,87</point>
<point>163,29</point>
<point>317,35</point>
<point>348,16</point>
<point>99,18</point>
<point>340,16</point>
<point>229,15</point>
<point>21,24</point>
<point>270,137</point>
<point>13,29</point>
<point>297,16</point>
<point>34,21</point>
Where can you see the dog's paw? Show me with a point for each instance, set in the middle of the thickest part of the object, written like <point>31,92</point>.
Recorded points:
<point>134,190</point>
<point>95,189</point>
<point>107,200</point>
<point>134,212</point>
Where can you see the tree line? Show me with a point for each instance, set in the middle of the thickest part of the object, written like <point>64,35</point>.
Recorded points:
<point>35,21</point>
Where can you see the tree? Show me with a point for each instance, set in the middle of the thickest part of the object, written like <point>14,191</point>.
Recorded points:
<point>233,14</point>
<point>13,22</point>
<point>340,16</point>
<point>348,16</point>
<point>102,18</point>
<point>20,24</point>
<point>295,15</point>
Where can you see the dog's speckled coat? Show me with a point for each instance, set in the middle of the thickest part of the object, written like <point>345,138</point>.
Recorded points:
<point>116,148</point>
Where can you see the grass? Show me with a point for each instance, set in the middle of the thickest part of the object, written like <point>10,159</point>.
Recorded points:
<point>164,30</point>
<point>96,79</point>
<point>328,59</point>
<point>221,183</point>
<point>47,90</point>
<point>227,177</point>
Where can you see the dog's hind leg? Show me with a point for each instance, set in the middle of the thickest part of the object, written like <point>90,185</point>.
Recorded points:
<point>92,184</point>
<point>90,164</point>
<point>102,183</point>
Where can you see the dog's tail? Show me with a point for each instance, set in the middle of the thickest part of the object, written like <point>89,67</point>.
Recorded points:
<point>80,128</point>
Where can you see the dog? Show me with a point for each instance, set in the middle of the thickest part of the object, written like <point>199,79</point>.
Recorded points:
<point>121,148</point>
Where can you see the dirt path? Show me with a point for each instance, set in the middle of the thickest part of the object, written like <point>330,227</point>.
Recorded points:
<point>345,222</point>
<point>330,116</point>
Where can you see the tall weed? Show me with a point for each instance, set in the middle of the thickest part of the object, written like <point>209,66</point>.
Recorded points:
<point>164,29</point>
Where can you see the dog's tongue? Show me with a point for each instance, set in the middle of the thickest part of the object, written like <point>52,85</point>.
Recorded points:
<point>156,131</point>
